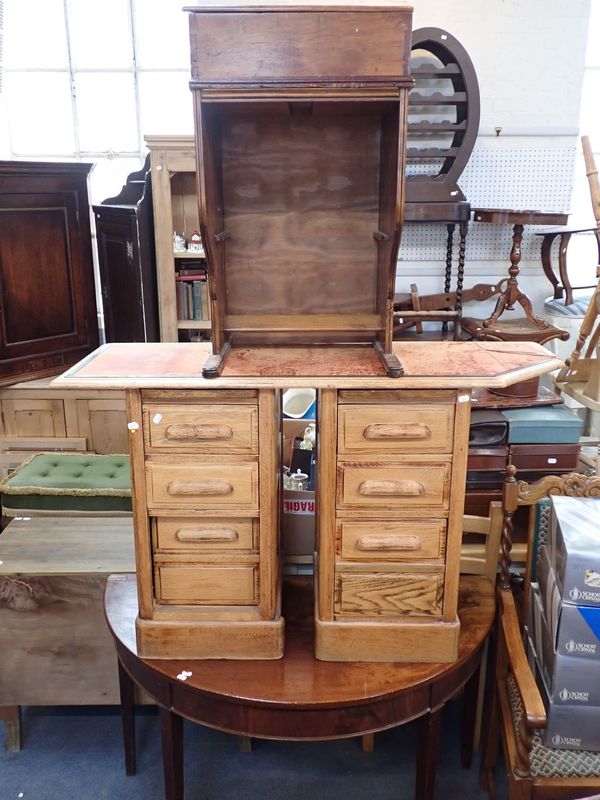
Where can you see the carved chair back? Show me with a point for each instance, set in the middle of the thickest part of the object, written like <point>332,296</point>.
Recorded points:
<point>520,493</point>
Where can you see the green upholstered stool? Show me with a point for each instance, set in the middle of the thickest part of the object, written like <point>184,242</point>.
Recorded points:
<point>68,483</point>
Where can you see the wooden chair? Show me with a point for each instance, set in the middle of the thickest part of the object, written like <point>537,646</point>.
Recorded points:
<point>517,713</point>
<point>580,378</point>
<point>479,556</point>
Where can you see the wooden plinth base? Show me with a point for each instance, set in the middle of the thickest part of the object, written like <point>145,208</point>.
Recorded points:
<point>240,640</point>
<point>400,642</point>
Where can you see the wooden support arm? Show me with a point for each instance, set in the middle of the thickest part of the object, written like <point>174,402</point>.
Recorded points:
<point>534,712</point>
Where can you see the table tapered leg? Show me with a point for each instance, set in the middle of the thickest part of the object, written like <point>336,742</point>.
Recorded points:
<point>469,717</point>
<point>127,694</point>
<point>171,732</point>
<point>429,737</point>
<point>12,727</point>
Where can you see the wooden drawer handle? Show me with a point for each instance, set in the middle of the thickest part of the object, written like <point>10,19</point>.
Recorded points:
<point>379,542</point>
<point>185,431</point>
<point>206,487</point>
<point>373,488</point>
<point>409,430</point>
<point>206,535</point>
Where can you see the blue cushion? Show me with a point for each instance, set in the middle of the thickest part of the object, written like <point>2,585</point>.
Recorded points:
<point>581,301</point>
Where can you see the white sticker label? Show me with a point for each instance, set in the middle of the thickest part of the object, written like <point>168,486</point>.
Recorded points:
<point>133,426</point>
<point>552,460</point>
<point>156,418</point>
<point>464,398</point>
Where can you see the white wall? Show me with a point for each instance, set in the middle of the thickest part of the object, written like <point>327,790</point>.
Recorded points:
<point>529,56</point>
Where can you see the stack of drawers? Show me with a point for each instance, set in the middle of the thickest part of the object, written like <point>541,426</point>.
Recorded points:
<point>207,523</point>
<point>389,540</point>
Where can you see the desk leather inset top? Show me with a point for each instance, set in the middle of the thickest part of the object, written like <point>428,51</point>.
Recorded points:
<point>430,365</point>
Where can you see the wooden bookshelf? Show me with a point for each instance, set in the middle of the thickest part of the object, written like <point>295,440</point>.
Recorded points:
<point>175,202</point>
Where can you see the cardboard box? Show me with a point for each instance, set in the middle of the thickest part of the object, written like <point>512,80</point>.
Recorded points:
<point>569,680</point>
<point>298,526</point>
<point>568,727</point>
<point>575,629</point>
<point>575,539</point>
<point>298,518</point>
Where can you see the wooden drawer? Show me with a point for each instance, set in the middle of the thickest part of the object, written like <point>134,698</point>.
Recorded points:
<point>206,584</point>
<point>389,593</point>
<point>406,485</point>
<point>201,428</point>
<point>395,428</point>
<point>385,540</point>
<point>202,534</point>
<point>202,486</point>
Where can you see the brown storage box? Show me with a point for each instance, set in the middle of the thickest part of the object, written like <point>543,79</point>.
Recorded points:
<point>485,479</point>
<point>547,458</point>
<point>487,458</point>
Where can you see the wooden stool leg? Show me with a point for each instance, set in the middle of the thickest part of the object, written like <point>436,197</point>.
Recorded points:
<point>429,737</point>
<point>12,727</point>
<point>469,717</point>
<point>171,733</point>
<point>127,694</point>
<point>367,742</point>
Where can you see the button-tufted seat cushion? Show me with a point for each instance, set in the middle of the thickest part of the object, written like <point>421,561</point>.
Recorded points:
<point>68,482</point>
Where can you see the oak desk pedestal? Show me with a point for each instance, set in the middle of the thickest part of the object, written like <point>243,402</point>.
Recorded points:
<point>390,492</point>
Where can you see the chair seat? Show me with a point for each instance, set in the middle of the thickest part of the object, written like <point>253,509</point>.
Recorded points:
<point>581,301</point>
<point>63,483</point>
<point>552,762</point>
<point>512,329</point>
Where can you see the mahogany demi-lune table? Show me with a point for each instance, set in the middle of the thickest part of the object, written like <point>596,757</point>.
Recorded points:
<point>296,697</point>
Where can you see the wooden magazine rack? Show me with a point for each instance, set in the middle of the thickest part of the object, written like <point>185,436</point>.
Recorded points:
<point>300,130</point>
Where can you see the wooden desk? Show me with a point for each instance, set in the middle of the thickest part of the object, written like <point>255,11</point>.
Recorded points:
<point>297,697</point>
<point>392,460</point>
<point>390,492</point>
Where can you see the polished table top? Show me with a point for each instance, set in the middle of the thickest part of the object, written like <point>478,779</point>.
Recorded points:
<point>263,698</point>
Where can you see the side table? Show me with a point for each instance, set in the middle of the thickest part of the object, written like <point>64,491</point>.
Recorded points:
<point>530,327</point>
<point>296,697</point>
<point>562,285</point>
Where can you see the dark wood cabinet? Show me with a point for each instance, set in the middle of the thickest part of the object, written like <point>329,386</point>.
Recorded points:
<point>127,261</point>
<point>48,318</point>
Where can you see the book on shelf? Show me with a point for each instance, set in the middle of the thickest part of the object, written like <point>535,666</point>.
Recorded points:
<point>190,300</point>
<point>181,296</point>
<point>192,268</point>
<point>204,299</point>
<point>197,299</point>
<point>192,294</point>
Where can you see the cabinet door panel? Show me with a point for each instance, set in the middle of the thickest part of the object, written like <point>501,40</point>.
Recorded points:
<point>47,301</point>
